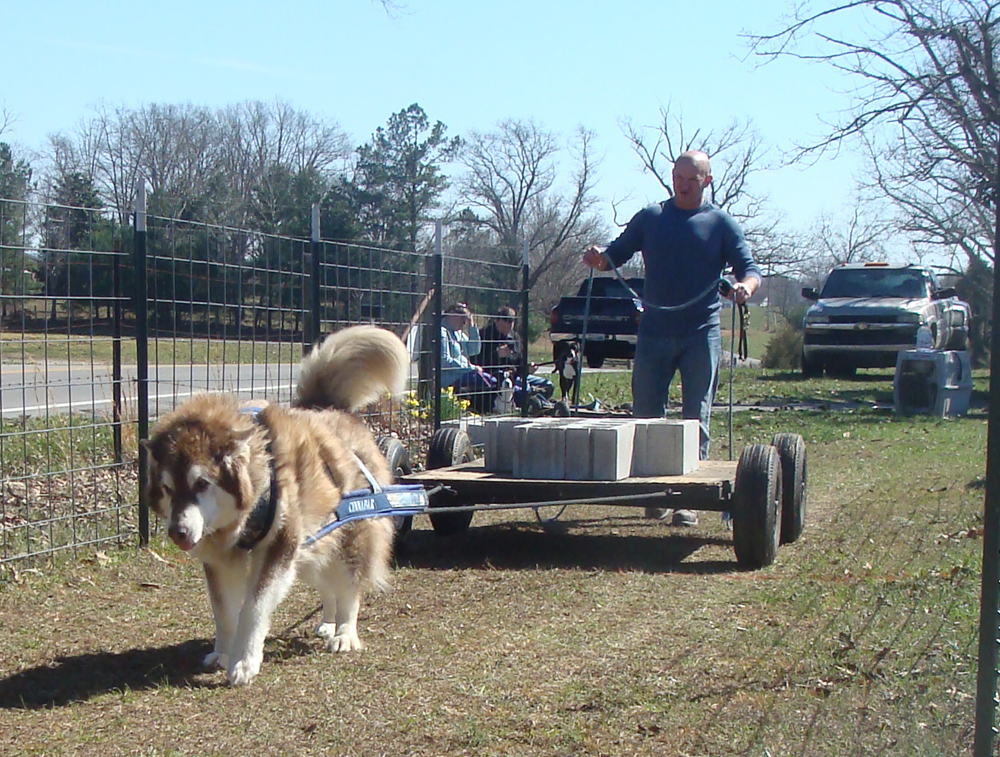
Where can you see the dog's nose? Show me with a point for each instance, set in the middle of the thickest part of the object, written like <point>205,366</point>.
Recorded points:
<point>181,535</point>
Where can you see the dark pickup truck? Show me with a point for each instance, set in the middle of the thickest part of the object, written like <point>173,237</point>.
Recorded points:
<point>612,322</point>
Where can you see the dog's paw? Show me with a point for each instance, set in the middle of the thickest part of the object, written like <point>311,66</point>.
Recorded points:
<point>344,641</point>
<point>242,672</point>
<point>216,661</point>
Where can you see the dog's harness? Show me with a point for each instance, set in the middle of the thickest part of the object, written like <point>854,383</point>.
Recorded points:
<point>261,517</point>
<point>395,499</point>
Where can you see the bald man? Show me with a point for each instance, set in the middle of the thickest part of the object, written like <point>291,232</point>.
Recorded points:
<point>686,244</point>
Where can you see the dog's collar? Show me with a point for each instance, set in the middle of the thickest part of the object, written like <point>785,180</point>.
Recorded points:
<point>261,517</point>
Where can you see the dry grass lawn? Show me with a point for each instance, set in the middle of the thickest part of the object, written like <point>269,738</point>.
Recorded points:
<point>621,636</point>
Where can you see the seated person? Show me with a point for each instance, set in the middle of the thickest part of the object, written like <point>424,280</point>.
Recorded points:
<point>460,341</point>
<point>501,354</point>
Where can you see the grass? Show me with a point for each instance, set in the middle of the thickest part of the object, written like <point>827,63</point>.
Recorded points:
<point>621,636</point>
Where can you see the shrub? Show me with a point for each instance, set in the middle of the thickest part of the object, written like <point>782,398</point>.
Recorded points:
<point>784,349</point>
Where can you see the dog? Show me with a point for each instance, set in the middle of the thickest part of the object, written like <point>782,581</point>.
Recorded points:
<point>566,356</point>
<point>242,491</point>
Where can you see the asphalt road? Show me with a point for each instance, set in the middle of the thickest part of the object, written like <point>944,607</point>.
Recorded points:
<point>35,390</point>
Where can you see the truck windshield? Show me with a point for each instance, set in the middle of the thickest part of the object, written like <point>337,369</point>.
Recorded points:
<point>875,282</point>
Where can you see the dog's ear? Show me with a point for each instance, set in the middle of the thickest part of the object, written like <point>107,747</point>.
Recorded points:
<point>237,456</point>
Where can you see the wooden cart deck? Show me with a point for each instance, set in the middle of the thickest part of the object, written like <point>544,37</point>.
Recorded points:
<point>709,487</point>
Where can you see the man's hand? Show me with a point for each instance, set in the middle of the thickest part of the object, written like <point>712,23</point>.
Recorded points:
<point>593,257</point>
<point>741,292</point>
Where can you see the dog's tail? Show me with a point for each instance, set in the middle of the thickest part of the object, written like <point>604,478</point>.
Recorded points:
<point>352,368</point>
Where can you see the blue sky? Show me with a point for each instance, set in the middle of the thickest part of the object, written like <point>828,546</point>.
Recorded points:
<point>468,63</point>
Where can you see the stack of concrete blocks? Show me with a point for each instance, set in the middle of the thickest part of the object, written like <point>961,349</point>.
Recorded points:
<point>598,449</point>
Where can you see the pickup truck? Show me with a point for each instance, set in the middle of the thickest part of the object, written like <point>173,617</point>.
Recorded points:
<point>865,313</point>
<point>612,323</point>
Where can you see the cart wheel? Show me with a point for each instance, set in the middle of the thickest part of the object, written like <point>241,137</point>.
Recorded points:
<point>449,446</point>
<point>792,450</point>
<point>757,506</point>
<point>398,458</point>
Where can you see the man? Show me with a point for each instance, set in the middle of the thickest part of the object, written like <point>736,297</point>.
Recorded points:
<point>460,340</point>
<point>686,243</point>
<point>501,354</point>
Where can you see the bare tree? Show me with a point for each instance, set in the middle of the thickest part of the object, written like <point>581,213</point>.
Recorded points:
<point>510,188</point>
<point>213,165</point>
<point>6,120</point>
<point>737,152</point>
<point>927,105</point>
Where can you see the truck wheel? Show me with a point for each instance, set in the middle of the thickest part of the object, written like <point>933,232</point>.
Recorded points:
<point>842,371</point>
<point>595,361</point>
<point>398,458</point>
<point>757,506</point>
<point>959,340</point>
<point>449,446</point>
<point>811,368</point>
<point>792,451</point>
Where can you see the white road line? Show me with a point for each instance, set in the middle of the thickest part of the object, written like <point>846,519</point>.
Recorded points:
<point>85,405</point>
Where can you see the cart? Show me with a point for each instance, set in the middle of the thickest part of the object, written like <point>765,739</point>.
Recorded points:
<point>764,492</point>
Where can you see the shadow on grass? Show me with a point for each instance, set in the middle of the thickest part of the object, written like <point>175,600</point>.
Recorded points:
<point>516,547</point>
<point>76,678</point>
<point>71,679</point>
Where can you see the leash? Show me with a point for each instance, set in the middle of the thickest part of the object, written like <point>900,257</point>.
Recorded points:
<point>722,284</point>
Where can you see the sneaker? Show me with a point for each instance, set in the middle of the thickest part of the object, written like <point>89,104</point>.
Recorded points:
<point>656,513</point>
<point>686,518</point>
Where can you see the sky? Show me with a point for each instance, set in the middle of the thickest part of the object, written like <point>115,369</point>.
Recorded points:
<point>468,63</point>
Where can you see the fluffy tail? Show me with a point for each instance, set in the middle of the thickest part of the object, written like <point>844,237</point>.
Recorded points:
<point>352,368</point>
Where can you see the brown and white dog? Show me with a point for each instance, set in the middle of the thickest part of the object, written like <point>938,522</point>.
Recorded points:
<point>241,491</point>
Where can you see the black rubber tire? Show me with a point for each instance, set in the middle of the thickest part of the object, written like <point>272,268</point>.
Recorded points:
<point>959,340</point>
<point>398,458</point>
<point>811,368</point>
<point>842,371</point>
<point>792,451</point>
<point>595,361</point>
<point>757,506</point>
<point>449,446</point>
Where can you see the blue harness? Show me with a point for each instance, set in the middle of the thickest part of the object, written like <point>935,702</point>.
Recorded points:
<point>379,501</point>
<point>395,499</point>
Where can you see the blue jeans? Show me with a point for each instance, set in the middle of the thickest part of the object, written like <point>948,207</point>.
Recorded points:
<point>697,357</point>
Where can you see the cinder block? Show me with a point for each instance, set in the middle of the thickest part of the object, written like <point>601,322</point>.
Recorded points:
<point>539,450</point>
<point>579,465</point>
<point>665,447</point>
<point>599,449</point>
<point>498,450</point>
<point>612,448</point>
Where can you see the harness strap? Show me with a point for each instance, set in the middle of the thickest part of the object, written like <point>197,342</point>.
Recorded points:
<point>396,499</point>
<point>261,517</point>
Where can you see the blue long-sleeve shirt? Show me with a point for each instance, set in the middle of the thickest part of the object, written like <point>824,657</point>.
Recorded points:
<point>684,251</point>
<point>456,349</point>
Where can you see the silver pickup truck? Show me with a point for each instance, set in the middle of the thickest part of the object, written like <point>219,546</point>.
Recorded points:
<point>866,313</point>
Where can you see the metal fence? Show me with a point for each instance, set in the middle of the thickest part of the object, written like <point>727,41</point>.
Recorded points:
<point>103,328</point>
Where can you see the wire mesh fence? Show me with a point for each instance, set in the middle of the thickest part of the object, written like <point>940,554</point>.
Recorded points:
<point>105,328</point>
